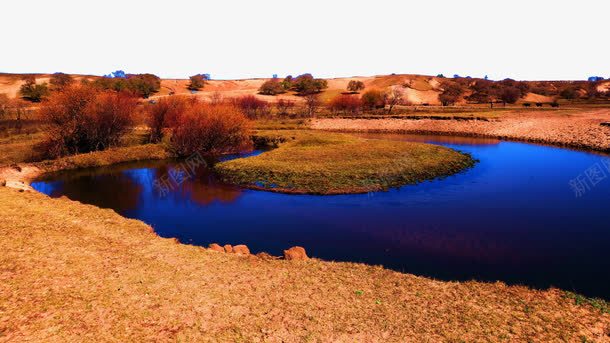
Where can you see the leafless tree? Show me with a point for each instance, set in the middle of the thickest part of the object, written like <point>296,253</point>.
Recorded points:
<point>216,98</point>
<point>4,105</point>
<point>394,97</point>
<point>312,102</point>
<point>283,106</point>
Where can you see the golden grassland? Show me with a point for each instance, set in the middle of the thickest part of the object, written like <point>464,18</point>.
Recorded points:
<point>106,157</point>
<point>75,272</point>
<point>331,163</point>
<point>20,147</point>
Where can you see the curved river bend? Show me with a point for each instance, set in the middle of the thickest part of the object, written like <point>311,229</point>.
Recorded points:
<point>514,217</point>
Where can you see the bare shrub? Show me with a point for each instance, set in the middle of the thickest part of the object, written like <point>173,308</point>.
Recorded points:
<point>60,81</point>
<point>393,97</point>
<point>284,106</point>
<point>252,106</point>
<point>452,92</point>
<point>164,114</point>
<point>81,119</point>
<point>569,93</point>
<point>4,105</point>
<point>312,103</point>
<point>210,129</point>
<point>509,94</point>
<point>216,98</point>
<point>348,104</point>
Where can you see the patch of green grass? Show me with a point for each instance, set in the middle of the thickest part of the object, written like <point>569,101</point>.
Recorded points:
<point>316,162</point>
<point>597,303</point>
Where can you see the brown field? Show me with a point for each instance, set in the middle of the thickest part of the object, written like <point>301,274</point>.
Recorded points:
<point>576,128</point>
<point>74,272</point>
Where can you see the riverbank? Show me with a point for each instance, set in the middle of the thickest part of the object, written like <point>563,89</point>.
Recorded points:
<point>575,129</point>
<point>19,175</point>
<point>71,271</point>
<point>310,162</point>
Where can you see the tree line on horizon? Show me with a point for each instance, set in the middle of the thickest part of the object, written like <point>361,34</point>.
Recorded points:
<point>452,90</point>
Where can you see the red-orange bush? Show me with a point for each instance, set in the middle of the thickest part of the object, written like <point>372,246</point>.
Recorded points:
<point>165,114</point>
<point>210,129</point>
<point>252,106</point>
<point>82,119</point>
<point>345,103</point>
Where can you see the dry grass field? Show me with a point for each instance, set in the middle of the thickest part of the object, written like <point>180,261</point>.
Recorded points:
<point>572,127</point>
<point>74,272</point>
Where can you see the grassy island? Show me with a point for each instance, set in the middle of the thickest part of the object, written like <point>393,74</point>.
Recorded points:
<point>332,163</point>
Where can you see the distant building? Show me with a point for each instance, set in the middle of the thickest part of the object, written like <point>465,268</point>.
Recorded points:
<point>595,78</point>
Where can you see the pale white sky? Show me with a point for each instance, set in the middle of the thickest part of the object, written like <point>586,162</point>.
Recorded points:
<point>330,38</point>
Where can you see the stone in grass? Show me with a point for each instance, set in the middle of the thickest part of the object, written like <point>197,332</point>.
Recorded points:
<point>216,247</point>
<point>2,183</point>
<point>241,250</point>
<point>295,253</point>
<point>228,248</point>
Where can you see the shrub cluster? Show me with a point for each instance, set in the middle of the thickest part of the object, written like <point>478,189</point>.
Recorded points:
<point>198,127</point>
<point>252,106</point>
<point>304,84</point>
<point>348,104</point>
<point>210,129</point>
<point>373,99</point>
<point>483,91</point>
<point>83,119</point>
<point>164,114</point>
<point>355,86</point>
<point>60,81</point>
<point>142,85</point>
<point>272,87</point>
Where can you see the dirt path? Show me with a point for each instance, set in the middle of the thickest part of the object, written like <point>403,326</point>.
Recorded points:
<point>577,130</point>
